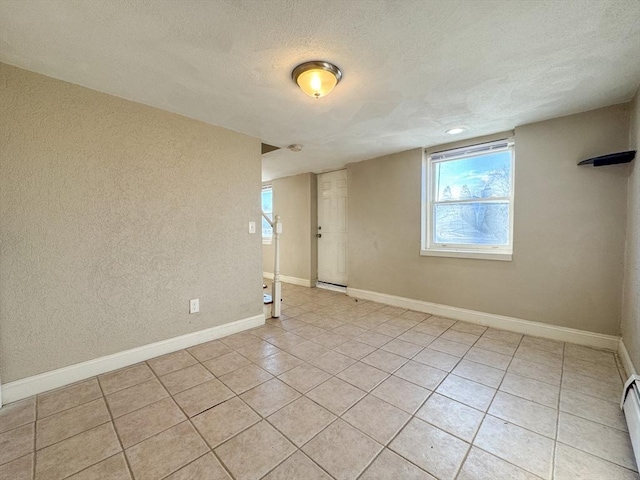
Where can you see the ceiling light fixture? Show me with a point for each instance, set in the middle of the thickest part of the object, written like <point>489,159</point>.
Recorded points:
<point>295,147</point>
<point>316,78</point>
<point>455,131</point>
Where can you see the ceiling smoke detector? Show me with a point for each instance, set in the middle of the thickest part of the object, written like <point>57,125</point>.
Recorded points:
<point>296,147</point>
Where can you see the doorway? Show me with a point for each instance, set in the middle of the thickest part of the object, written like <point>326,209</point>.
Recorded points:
<point>332,228</point>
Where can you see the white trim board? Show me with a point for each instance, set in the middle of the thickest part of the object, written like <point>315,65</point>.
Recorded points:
<point>527,327</point>
<point>303,282</point>
<point>625,358</point>
<point>331,287</point>
<point>26,387</point>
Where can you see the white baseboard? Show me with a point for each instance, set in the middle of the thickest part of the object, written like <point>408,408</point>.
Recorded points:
<point>29,386</point>
<point>303,282</point>
<point>625,358</point>
<point>527,327</point>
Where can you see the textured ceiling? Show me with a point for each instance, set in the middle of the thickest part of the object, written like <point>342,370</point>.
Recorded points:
<point>412,69</point>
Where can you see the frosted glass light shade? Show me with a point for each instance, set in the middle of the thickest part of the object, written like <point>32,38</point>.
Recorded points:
<point>317,79</point>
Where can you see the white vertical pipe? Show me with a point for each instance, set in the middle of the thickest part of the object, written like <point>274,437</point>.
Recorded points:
<point>276,289</point>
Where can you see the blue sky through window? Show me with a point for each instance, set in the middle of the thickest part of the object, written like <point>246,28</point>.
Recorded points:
<point>481,176</point>
<point>267,207</point>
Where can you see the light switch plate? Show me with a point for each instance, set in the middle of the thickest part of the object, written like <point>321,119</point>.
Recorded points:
<point>252,227</point>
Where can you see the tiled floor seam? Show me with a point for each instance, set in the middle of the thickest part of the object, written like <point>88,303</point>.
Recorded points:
<point>591,396</point>
<point>19,458</point>
<point>318,433</point>
<point>599,457</point>
<point>555,440</point>
<point>586,374</point>
<point>122,450</point>
<point>35,436</point>
<point>226,469</point>
<point>407,359</point>
<point>594,421</point>
<point>411,417</point>
<point>212,449</point>
<point>287,458</point>
<point>484,416</point>
<point>385,445</point>
<point>188,419</point>
<point>501,459</point>
<point>314,436</point>
<point>66,409</point>
<point>36,450</point>
<point>93,465</point>
<point>596,455</point>
<point>35,439</point>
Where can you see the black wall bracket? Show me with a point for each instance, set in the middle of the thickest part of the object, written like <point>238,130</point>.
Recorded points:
<point>611,159</point>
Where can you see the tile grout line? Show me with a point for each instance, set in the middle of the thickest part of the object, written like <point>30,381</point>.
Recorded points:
<point>448,373</point>
<point>35,437</point>
<point>513,356</point>
<point>412,417</point>
<point>487,413</point>
<point>429,396</point>
<point>255,411</point>
<point>337,417</point>
<point>113,425</point>
<point>86,380</point>
<point>332,375</point>
<point>610,462</point>
<point>379,348</point>
<point>188,418</point>
<point>264,419</point>
<point>555,440</point>
<point>593,454</point>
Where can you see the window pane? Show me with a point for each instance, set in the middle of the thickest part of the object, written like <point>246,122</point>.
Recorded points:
<point>267,231</point>
<point>471,223</point>
<point>484,176</point>
<point>267,208</point>
<point>267,200</point>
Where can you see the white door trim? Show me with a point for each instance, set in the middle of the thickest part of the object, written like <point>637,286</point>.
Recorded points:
<point>333,227</point>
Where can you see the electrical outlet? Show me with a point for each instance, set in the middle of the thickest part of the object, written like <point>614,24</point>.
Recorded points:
<point>194,305</point>
<point>252,227</point>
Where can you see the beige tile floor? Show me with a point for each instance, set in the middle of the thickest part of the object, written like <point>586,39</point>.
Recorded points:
<point>339,389</point>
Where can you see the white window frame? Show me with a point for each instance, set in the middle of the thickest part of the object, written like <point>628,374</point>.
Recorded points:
<point>266,240</point>
<point>483,252</point>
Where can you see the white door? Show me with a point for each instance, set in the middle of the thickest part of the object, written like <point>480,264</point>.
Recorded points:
<point>332,227</point>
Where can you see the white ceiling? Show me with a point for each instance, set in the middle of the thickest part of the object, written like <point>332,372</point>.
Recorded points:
<point>412,69</point>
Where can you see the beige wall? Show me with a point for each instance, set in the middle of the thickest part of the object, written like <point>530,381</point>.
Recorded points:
<point>295,200</point>
<point>568,233</point>
<point>631,291</point>
<point>113,216</point>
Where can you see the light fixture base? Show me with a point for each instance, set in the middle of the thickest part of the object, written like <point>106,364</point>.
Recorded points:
<point>316,78</point>
<point>329,67</point>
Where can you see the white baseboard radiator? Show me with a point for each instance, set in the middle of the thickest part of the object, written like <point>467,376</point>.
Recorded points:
<point>630,404</point>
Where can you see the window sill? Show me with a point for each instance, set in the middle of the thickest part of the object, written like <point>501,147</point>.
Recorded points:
<point>267,241</point>
<point>501,256</point>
